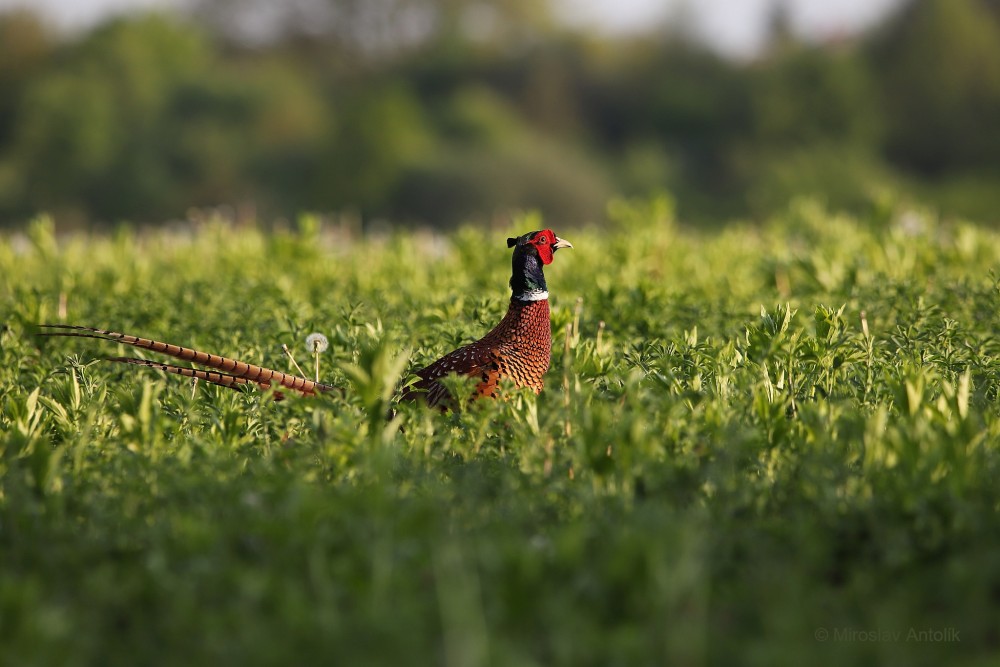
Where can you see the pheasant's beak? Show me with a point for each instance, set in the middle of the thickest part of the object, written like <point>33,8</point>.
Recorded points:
<point>561,243</point>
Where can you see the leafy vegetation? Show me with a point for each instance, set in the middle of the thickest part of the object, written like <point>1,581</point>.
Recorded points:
<point>748,439</point>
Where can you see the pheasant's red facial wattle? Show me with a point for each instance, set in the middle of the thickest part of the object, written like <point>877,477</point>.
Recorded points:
<point>545,242</point>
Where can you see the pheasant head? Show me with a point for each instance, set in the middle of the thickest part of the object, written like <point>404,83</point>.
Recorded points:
<point>532,251</point>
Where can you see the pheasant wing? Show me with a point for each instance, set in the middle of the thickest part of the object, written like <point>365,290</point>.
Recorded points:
<point>476,360</point>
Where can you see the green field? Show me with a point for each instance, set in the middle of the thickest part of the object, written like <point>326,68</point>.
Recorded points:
<point>765,445</point>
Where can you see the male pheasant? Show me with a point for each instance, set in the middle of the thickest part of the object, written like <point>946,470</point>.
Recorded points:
<point>517,350</point>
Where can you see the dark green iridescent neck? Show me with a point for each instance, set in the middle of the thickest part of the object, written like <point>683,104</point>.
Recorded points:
<point>527,281</point>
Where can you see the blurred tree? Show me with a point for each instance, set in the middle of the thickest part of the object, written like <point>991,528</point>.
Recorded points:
<point>140,121</point>
<point>780,32</point>
<point>25,46</point>
<point>938,65</point>
<point>445,110</point>
<point>490,161</point>
<point>382,130</point>
<point>253,135</point>
<point>371,30</point>
<point>672,109</point>
<point>804,94</point>
<point>816,127</point>
<point>88,134</point>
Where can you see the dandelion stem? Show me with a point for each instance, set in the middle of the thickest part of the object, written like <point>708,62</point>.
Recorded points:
<point>284,348</point>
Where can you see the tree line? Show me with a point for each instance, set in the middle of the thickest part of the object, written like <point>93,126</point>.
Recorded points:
<point>440,111</point>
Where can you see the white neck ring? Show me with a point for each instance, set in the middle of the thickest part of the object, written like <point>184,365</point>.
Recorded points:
<point>535,295</point>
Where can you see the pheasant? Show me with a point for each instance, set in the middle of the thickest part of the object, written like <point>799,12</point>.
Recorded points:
<point>520,347</point>
<point>517,350</point>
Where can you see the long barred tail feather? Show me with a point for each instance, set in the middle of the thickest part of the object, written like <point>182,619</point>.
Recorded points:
<point>232,373</point>
<point>213,377</point>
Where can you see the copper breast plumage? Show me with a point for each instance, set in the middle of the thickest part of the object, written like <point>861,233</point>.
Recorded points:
<point>515,351</point>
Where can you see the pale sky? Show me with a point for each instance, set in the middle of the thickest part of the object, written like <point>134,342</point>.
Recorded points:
<point>735,27</point>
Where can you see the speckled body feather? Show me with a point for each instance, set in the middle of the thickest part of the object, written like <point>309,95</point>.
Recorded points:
<point>517,351</point>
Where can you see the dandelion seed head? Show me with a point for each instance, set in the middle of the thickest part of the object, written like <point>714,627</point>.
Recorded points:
<point>317,342</point>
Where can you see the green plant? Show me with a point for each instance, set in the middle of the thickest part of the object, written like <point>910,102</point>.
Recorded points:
<point>747,439</point>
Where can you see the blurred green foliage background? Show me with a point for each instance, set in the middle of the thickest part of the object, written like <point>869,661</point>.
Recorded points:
<point>441,111</point>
